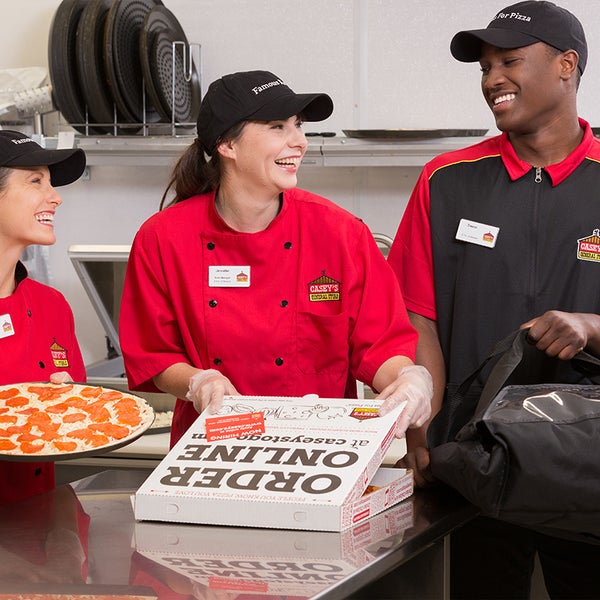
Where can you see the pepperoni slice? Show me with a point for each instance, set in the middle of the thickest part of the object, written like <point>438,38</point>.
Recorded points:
<point>39,419</point>
<point>32,447</point>
<point>7,445</point>
<point>111,395</point>
<point>57,409</point>
<point>76,402</point>
<point>65,446</point>
<point>74,417</point>
<point>17,429</point>
<point>91,392</point>
<point>131,418</point>
<point>94,440</point>
<point>46,393</point>
<point>9,393</point>
<point>27,437</point>
<point>17,401</point>
<point>117,432</point>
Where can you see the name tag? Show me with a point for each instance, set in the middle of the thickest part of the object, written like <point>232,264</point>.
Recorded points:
<point>228,276</point>
<point>6,326</point>
<point>477,233</point>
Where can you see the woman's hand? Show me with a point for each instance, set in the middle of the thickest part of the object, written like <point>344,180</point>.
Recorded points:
<point>207,388</point>
<point>60,377</point>
<point>414,388</point>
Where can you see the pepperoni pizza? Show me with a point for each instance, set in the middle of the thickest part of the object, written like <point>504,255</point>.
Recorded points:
<point>56,420</point>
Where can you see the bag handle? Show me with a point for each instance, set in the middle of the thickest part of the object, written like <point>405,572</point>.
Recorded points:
<point>509,353</point>
<point>582,361</point>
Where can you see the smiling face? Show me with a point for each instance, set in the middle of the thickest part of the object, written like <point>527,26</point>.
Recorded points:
<point>266,156</point>
<point>526,88</point>
<point>27,207</point>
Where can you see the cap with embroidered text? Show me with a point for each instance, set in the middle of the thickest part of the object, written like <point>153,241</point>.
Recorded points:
<point>523,24</point>
<point>19,150</point>
<point>253,96</point>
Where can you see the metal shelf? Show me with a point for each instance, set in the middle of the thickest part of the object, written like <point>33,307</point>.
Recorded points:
<point>322,152</point>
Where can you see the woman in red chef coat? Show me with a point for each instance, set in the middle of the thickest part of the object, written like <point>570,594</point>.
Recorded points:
<point>248,285</point>
<point>37,333</point>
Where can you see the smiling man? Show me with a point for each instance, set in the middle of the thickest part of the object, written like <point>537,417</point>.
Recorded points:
<point>491,241</point>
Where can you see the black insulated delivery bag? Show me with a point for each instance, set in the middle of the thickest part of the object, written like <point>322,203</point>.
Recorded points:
<point>527,453</point>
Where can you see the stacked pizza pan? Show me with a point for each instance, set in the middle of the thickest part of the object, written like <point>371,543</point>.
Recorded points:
<point>117,65</point>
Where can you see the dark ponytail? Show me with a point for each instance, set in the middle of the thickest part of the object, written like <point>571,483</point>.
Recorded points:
<point>193,174</point>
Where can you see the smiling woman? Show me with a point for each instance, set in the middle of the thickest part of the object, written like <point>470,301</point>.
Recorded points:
<point>225,272</point>
<point>37,333</point>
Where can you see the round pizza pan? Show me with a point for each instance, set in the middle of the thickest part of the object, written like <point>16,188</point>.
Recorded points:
<point>89,54</point>
<point>66,89</point>
<point>173,94</point>
<point>58,456</point>
<point>122,58</point>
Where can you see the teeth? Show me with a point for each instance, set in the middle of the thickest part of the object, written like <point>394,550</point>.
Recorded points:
<point>44,218</point>
<point>504,98</point>
<point>288,162</point>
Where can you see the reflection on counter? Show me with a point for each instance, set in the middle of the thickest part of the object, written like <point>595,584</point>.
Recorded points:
<point>268,562</point>
<point>82,539</point>
<point>44,539</point>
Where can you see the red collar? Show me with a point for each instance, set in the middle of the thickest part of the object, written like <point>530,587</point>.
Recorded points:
<point>559,172</point>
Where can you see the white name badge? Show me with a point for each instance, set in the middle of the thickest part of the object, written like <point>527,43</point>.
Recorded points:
<point>228,276</point>
<point>6,326</point>
<point>477,233</point>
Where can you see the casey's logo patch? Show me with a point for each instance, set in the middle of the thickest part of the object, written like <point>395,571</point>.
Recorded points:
<point>324,289</point>
<point>588,248</point>
<point>59,355</point>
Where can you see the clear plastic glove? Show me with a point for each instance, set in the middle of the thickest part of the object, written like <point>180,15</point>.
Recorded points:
<point>207,388</point>
<point>414,387</point>
<point>60,377</point>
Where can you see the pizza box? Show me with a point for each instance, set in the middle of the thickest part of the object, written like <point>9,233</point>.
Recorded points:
<point>266,561</point>
<point>308,467</point>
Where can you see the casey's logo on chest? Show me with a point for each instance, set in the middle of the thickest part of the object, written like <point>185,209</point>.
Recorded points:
<point>588,248</point>
<point>324,289</point>
<point>60,355</point>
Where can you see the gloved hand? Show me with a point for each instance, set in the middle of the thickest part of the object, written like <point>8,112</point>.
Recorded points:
<point>207,388</point>
<point>414,388</point>
<point>60,377</point>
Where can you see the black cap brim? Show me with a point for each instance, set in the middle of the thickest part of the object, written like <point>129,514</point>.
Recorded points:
<point>466,45</point>
<point>312,107</point>
<point>65,165</point>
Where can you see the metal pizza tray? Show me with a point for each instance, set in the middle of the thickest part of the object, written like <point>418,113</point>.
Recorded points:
<point>174,94</point>
<point>89,48</point>
<point>66,90</point>
<point>55,457</point>
<point>411,134</point>
<point>122,59</point>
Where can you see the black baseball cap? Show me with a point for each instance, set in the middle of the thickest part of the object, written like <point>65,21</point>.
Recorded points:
<point>253,96</point>
<point>523,24</point>
<point>19,150</point>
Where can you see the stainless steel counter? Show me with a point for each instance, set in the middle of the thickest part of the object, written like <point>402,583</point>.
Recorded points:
<point>402,552</point>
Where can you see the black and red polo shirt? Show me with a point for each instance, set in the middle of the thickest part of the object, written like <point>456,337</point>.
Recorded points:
<point>539,247</point>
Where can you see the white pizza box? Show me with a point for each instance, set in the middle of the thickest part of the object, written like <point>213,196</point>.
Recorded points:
<point>267,561</point>
<point>308,470</point>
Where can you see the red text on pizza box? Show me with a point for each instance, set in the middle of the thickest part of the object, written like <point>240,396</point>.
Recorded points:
<point>309,469</point>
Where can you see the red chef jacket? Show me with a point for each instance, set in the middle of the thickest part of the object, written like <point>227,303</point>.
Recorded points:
<point>37,338</point>
<point>306,306</point>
